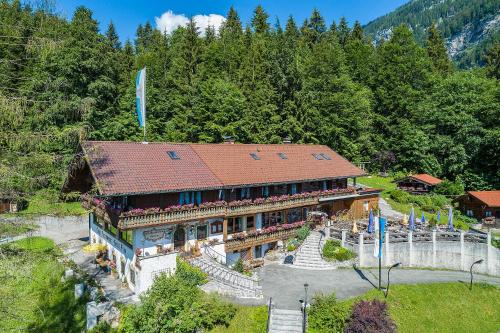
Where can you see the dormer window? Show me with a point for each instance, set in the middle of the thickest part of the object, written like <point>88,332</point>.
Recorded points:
<point>282,156</point>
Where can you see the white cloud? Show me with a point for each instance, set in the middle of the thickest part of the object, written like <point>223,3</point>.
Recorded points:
<point>169,21</point>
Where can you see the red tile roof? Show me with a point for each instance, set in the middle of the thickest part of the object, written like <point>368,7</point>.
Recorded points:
<point>489,198</point>
<point>425,178</point>
<point>130,167</point>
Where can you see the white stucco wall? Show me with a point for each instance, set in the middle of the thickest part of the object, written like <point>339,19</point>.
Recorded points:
<point>151,267</point>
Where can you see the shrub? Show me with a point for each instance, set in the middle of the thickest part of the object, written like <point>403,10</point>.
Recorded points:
<point>172,305</point>
<point>303,232</point>
<point>330,248</point>
<point>447,187</point>
<point>190,275</point>
<point>327,315</point>
<point>290,247</point>
<point>238,266</point>
<point>343,254</point>
<point>370,316</point>
<point>400,196</point>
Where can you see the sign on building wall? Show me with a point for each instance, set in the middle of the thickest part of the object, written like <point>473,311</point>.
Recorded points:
<point>156,234</point>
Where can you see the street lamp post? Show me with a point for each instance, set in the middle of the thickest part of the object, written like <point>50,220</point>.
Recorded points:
<point>304,314</point>
<point>471,266</point>
<point>388,278</point>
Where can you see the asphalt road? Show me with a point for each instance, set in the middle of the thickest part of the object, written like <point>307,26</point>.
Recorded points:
<point>286,284</point>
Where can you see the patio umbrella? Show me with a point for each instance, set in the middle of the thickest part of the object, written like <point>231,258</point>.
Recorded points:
<point>450,219</point>
<point>405,220</point>
<point>354,227</point>
<point>438,217</point>
<point>412,219</point>
<point>422,220</point>
<point>370,222</point>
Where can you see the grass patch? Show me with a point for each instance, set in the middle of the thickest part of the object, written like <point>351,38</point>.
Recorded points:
<point>385,183</point>
<point>248,319</point>
<point>34,299</point>
<point>15,228</point>
<point>442,307</point>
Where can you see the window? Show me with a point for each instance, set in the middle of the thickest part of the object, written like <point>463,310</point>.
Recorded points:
<point>324,185</point>
<point>271,219</point>
<point>234,225</point>
<point>201,232</point>
<point>255,156</point>
<point>245,193</point>
<point>173,155</point>
<point>127,236</point>
<point>282,156</point>
<point>326,157</point>
<point>488,213</point>
<point>293,188</point>
<point>222,195</point>
<point>186,198</point>
<point>132,276</point>
<point>366,205</point>
<point>250,222</point>
<point>265,191</point>
<point>470,213</point>
<point>216,227</point>
<point>317,156</point>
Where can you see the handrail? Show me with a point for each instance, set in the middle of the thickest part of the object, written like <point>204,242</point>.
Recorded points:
<point>269,307</point>
<point>214,254</point>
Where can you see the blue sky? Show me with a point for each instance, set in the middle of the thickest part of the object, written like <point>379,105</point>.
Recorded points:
<point>128,14</point>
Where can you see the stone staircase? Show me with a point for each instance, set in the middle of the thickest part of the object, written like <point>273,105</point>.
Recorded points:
<point>285,321</point>
<point>227,281</point>
<point>308,256</point>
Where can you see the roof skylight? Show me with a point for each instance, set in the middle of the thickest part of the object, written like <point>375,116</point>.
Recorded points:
<point>318,156</point>
<point>255,156</point>
<point>326,157</point>
<point>173,155</point>
<point>282,156</point>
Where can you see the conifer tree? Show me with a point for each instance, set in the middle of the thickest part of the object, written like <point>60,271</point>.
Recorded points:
<point>437,51</point>
<point>112,36</point>
<point>259,20</point>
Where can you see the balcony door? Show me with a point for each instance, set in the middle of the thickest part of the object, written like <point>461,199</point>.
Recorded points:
<point>179,238</point>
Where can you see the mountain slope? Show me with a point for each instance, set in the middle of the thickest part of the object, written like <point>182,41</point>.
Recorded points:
<point>470,27</point>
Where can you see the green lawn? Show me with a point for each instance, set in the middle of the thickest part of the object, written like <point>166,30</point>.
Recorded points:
<point>248,319</point>
<point>47,204</point>
<point>385,183</point>
<point>442,307</point>
<point>14,228</point>
<point>32,296</point>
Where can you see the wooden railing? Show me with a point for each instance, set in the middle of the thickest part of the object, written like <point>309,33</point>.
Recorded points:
<point>196,213</point>
<point>272,206</point>
<point>128,222</point>
<point>250,241</point>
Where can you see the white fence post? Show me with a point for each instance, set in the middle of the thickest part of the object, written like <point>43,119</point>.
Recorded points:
<point>410,248</point>
<point>434,248</point>
<point>490,255</point>
<point>344,237</point>
<point>361,249</point>
<point>462,250</point>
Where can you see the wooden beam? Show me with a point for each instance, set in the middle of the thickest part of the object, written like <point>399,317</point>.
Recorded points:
<point>224,229</point>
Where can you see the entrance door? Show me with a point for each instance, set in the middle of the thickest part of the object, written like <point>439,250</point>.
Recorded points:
<point>179,238</point>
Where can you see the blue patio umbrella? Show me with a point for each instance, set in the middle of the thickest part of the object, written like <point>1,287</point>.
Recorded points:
<point>450,219</point>
<point>370,222</point>
<point>422,219</point>
<point>411,219</point>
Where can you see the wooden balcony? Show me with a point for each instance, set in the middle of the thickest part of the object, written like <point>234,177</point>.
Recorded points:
<point>272,206</point>
<point>125,221</point>
<point>129,222</point>
<point>251,241</point>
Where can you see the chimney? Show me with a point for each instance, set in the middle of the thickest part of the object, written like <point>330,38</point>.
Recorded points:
<point>287,140</point>
<point>228,139</point>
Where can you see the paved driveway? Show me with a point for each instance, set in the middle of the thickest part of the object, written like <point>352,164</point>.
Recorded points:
<point>286,284</point>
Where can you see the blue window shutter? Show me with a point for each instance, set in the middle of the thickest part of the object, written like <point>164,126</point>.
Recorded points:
<point>198,197</point>
<point>181,198</point>
<point>324,185</point>
<point>294,188</point>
